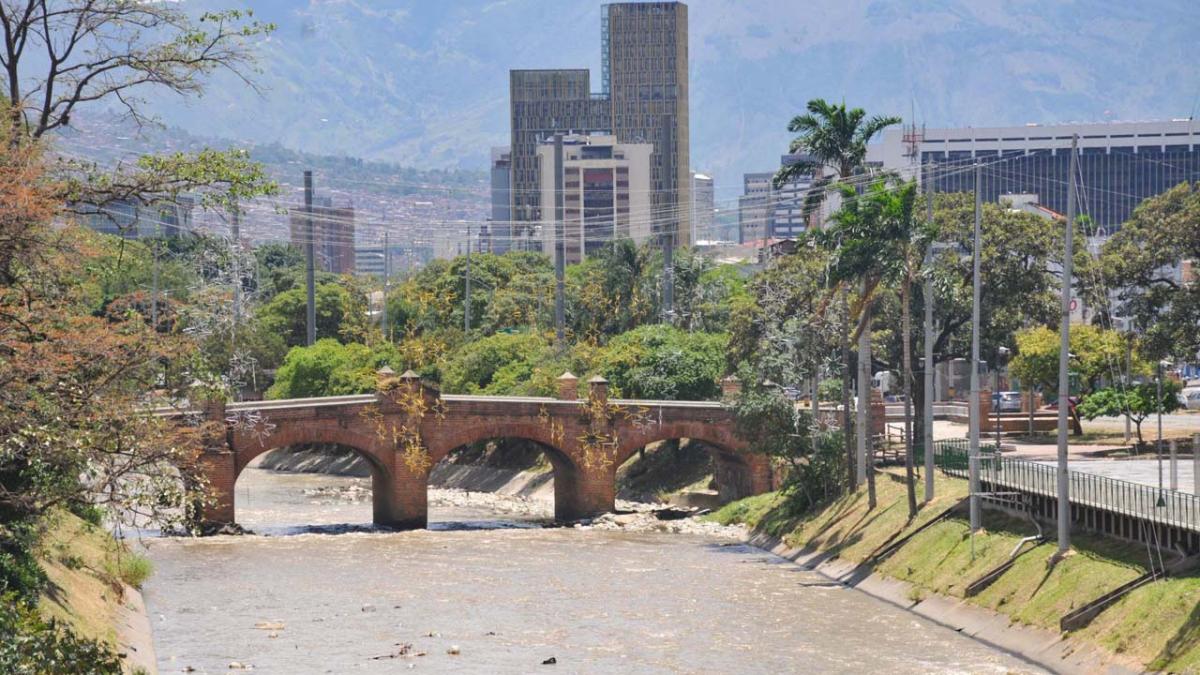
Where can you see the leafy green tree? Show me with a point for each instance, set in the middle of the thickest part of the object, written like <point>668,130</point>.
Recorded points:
<point>1096,353</point>
<point>279,267</point>
<point>1141,261</point>
<point>704,292</point>
<point>614,290</point>
<point>836,138</point>
<point>33,644</point>
<point>773,426</point>
<point>329,368</point>
<point>1137,402</point>
<point>497,364</point>
<point>663,363</point>
<point>338,310</point>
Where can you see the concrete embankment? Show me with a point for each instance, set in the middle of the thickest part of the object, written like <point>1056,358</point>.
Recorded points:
<point>935,567</point>
<point>1039,646</point>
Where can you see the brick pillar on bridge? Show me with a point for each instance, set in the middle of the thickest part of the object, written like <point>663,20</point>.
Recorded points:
<point>586,491</point>
<point>407,503</point>
<point>731,386</point>
<point>218,466</point>
<point>568,387</point>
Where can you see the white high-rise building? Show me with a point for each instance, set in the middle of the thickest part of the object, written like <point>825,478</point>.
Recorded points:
<point>606,193</point>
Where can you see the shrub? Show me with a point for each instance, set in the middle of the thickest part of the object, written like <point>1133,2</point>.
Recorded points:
<point>133,569</point>
<point>32,644</point>
<point>20,573</point>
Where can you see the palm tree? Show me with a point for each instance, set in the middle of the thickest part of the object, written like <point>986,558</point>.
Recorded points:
<point>834,138</point>
<point>875,240</point>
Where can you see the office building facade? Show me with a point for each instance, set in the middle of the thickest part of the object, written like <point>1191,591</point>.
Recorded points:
<point>606,193</point>
<point>703,209</point>
<point>1120,163</point>
<point>499,229</point>
<point>755,207</point>
<point>643,100</point>
<point>132,220</point>
<point>767,212</point>
<point>333,235</point>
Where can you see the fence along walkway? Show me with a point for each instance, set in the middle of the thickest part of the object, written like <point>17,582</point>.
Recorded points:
<point>1147,503</point>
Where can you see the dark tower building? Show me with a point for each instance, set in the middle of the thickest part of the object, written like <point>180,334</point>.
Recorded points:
<point>643,99</point>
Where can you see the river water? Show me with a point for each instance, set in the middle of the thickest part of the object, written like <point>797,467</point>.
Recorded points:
<point>486,590</point>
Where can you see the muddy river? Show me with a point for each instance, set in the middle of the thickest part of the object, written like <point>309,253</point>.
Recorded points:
<point>487,590</point>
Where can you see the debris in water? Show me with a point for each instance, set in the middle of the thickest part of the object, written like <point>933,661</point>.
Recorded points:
<point>550,661</point>
<point>368,608</point>
<point>237,665</point>
<point>433,634</point>
<point>269,625</point>
<point>453,650</point>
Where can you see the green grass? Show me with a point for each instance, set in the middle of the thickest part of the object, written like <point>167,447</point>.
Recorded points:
<point>1157,626</point>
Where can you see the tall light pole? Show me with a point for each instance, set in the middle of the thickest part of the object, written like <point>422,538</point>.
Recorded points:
<point>1063,493</point>
<point>387,277</point>
<point>1158,443</point>
<point>467,287</point>
<point>1001,358</point>
<point>560,252</point>
<point>973,404</point>
<point>927,408</point>
<point>310,257</point>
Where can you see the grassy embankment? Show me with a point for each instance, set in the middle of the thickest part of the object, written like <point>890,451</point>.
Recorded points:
<point>87,571</point>
<point>1157,625</point>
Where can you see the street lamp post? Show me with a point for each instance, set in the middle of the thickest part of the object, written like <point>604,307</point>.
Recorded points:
<point>1001,358</point>
<point>1158,443</point>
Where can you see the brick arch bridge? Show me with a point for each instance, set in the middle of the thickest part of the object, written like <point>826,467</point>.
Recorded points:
<point>409,426</point>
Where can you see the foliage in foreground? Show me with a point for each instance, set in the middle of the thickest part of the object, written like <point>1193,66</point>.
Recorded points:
<point>32,644</point>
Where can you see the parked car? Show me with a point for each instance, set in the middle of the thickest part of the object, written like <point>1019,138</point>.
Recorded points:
<point>1006,401</point>
<point>1074,400</point>
<point>1190,398</point>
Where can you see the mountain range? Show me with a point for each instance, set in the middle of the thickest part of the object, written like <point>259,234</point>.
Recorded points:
<point>424,83</point>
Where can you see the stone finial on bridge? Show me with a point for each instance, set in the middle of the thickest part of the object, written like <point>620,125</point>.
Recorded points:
<point>598,390</point>
<point>731,386</point>
<point>384,375</point>
<point>568,387</point>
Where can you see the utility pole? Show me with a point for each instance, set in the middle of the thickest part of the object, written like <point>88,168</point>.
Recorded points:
<point>235,234</point>
<point>1128,375</point>
<point>310,263</point>
<point>467,294</point>
<point>973,404</point>
<point>154,281</point>
<point>560,250</point>
<point>927,407</point>
<point>387,276</point>
<point>669,269</point>
<point>1064,385</point>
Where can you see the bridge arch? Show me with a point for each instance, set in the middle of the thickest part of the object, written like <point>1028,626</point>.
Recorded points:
<point>737,471</point>
<point>570,501</point>
<point>379,457</point>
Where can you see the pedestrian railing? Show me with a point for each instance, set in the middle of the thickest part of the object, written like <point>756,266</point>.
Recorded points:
<point>1145,502</point>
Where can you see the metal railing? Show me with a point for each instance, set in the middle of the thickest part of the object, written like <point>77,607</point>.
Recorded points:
<point>1145,502</point>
